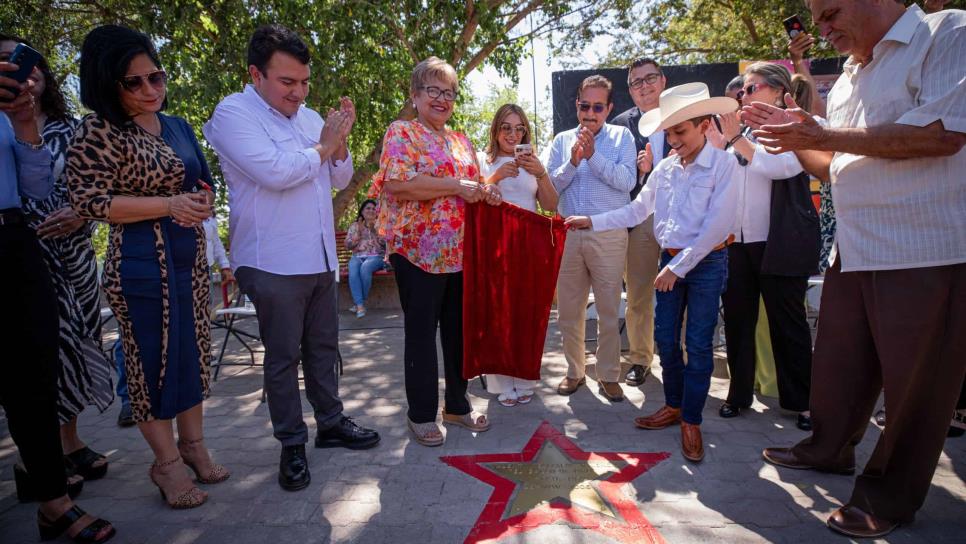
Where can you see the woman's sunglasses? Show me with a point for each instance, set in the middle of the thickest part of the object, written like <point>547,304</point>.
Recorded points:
<point>586,106</point>
<point>750,90</point>
<point>521,130</point>
<point>157,79</point>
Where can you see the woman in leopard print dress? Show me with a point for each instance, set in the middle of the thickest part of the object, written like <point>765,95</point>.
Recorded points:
<point>65,239</point>
<point>145,174</point>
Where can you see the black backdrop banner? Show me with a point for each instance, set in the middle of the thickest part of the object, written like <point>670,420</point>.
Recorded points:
<point>717,76</point>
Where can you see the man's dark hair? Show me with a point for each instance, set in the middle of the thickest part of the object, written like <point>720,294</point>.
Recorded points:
<point>736,83</point>
<point>52,101</point>
<point>105,57</point>
<point>268,39</point>
<point>598,81</point>
<point>643,61</point>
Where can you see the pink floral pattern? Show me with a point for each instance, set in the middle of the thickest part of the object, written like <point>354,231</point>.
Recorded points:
<point>428,233</point>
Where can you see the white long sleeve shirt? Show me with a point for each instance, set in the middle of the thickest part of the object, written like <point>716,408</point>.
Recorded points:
<point>214,249</point>
<point>694,206</point>
<point>754,191</point>
<point>279,190</point>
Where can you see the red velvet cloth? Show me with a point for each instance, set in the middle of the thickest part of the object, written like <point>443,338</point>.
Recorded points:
<point>511,257</point>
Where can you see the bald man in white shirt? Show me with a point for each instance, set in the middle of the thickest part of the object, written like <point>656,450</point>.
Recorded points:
<point>892,315</point>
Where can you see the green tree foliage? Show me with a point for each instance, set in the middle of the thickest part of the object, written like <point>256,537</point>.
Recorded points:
<point>699,31</point>
<point>362,49</point>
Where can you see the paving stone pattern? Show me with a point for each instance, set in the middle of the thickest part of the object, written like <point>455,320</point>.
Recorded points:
<point>400,492</point>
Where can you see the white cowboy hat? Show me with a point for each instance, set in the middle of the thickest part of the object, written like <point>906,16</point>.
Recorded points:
<point>681,103</point>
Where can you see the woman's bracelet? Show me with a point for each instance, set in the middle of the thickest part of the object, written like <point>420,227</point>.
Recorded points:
<point>168,200</point>
<point>732,141</point>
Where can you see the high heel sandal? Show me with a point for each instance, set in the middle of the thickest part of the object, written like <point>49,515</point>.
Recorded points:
<point>215,475</point>
<point>192,498</point>
<point>27,488</point>
<point>51,529</point>
<point>82,462</point>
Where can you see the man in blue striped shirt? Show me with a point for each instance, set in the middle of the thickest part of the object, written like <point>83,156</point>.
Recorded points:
<point>593,168</point>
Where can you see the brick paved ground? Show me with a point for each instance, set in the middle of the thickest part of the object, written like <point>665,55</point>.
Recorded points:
<point>400,492</point>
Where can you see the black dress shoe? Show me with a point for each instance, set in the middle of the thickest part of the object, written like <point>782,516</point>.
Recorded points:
<point>293,469</point>
<point>728,411</point>
<point>880,418</point>
<point>346,434</point>
<point>125,418</point>
<point>636,375</point>
<point>804,422</point>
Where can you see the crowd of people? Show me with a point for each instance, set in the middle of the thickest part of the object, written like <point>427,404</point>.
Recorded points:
<point>688,202</point>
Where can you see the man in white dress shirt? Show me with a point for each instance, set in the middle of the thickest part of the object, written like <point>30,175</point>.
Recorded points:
<point>893,316</point>
<point>281,162</point>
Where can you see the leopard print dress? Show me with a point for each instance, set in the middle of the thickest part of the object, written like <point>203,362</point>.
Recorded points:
<point>155,272</point>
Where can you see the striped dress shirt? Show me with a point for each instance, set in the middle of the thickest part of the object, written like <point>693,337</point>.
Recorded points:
<point>599,184</point>
<point>903,213</point>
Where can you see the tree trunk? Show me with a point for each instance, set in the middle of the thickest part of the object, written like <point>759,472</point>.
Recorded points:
<point>364,171</point>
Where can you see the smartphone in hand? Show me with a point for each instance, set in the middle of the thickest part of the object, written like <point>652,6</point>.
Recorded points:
<point>522,149</point>
<point>793,26</point>
<point>26,58</point>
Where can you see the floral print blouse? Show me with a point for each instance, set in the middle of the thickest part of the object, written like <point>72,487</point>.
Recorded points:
<point>364,241</point>
<point>428,233</point>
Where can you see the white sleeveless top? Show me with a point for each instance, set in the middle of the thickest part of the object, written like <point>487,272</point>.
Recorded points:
<point>521,190</point>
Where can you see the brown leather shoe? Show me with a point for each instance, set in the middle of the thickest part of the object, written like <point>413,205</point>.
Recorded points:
<point>569,385</point>
<point>853,521</point>
<point>611,390</point>
<point>665,417</point>
<point>692,447</point>
<point>785,457</point>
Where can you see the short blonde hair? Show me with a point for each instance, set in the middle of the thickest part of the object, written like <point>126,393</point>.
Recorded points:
<point>432,68</point>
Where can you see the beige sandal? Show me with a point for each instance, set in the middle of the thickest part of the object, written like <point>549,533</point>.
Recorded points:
<point>473,421</point>
<point>427,434</point>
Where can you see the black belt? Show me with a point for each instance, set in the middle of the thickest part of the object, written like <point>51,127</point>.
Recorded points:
<point>12,216</point>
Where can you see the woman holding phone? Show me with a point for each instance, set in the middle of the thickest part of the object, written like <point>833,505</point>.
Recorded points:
<point>510,162</point>
<point>144,173</point>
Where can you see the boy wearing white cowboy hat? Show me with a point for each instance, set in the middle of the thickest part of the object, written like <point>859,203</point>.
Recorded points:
<point>694,197</point>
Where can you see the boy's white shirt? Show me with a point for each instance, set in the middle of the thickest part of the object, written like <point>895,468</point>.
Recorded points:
<point>695,207</point>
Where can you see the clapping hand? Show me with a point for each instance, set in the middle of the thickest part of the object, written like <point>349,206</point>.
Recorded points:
<point>645,160</point>
<point>798,131</point>
<point>587,140</point>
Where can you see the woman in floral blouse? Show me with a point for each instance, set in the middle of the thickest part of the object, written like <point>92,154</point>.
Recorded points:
<point>426,175</point>
<point>368,250</point>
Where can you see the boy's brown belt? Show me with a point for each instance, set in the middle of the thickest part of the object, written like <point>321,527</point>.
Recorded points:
<point>731,238</point>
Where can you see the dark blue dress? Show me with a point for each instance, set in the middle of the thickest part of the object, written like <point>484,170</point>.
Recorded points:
<point>155,273</point>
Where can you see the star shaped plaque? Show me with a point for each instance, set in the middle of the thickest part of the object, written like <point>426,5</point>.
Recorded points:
<point>554,481</point>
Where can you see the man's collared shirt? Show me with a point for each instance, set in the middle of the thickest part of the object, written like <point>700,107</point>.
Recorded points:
<point>599,184</point>
<point>214,249</point>
<point>909,213</point>
<point>694,206</point>
<point>279,190</point>
<point>24,171</point>
<point>631,119</point>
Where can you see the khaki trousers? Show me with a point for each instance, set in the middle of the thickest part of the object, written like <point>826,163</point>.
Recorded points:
<point>592,260</point>
<point>643,256</point>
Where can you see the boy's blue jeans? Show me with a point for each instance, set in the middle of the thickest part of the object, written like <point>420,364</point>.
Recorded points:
<point>361,269</point>
<point>686,387</point>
